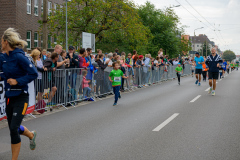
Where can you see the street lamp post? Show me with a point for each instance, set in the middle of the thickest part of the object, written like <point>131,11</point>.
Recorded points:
<point>171,7</point>
<point>195,37</point>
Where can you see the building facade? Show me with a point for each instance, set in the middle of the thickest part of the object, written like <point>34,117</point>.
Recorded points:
<point>198,41</point>
<point>24,15</point>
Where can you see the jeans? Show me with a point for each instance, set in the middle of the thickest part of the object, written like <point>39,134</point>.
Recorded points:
<point>116,92</point>
<point>86,92</point>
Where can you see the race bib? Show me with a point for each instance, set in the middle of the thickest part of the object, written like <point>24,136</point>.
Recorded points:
<point>117,79</point>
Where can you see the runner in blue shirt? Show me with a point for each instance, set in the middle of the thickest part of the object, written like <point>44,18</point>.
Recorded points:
<point>224,66</point>
<point>199,61</point>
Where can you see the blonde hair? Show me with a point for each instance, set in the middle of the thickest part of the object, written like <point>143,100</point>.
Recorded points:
<point>123,59</point>
<point>13,38</point>
<point>58,46</point>
<point>148,55</point>
<point>34,54</point>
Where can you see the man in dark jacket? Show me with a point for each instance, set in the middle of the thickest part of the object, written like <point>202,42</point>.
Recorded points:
<point>213,72</point>
<point>51,65</point>
<point>73,58</point>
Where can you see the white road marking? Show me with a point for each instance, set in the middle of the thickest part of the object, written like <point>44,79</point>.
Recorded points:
<point>195,99</point>
<point>216,82</point>
<point>207,89</point>
<point>220,79</point>
<point>165,122</point>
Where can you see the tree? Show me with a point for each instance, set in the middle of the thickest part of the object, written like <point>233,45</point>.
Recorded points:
<point>163,26</point>
<point>229,55</point>
<point>203,50</point>
<point>116,24</point>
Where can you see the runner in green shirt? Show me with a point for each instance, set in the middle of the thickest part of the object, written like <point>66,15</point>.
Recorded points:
<point>179,71</point>
<point>115,77</point>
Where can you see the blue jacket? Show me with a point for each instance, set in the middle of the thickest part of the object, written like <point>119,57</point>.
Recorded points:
<point>212,63</point>
<point>17,66</point>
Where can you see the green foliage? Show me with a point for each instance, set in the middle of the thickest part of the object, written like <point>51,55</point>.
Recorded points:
<point>119,24</point>
<point>116,24</point>
<point>163,26</point>
<point>203,50</point>
<point>229,55</point>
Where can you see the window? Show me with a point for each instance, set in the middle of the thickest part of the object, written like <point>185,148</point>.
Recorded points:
<point>55,40</point>
<point>55,7</point>
<point>197,45</point>
<point>41,40</point>
<point>28,6</point>
<point>42,6</point>
<point>29,39</point>
<point>49,41</point>
<point>36,7</point>
<point>193,45</point>
<point>49,7</point>
<point>35,39</point>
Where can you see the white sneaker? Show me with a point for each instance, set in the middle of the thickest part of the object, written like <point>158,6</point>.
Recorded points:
<point>213,93</point>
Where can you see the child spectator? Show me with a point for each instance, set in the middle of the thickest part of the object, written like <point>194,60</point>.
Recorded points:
<point>193,68</point>
<point>85,85</point>
<point>115,77</point>
<point>179,71</point>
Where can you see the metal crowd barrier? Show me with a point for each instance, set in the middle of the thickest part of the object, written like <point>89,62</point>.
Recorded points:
<point>68,87</point>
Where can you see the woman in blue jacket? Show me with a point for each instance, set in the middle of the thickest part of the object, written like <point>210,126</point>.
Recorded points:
<point>18,71</point>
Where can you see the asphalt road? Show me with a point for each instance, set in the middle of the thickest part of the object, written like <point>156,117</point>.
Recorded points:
<point>206,129</point>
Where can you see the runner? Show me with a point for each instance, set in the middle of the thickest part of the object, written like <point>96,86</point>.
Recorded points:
<point>115,77</point>
<point>18,71</point>
<point>179,71</point>
<point>224,67</point>
<point>213,73</point>
<point>199,61</point>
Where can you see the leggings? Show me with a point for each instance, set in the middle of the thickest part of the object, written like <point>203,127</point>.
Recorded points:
<point>16,108</point>
<point>204,73</point>
<point>178,75</point>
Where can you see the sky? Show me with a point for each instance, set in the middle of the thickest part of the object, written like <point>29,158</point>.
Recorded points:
<point>223,16</point>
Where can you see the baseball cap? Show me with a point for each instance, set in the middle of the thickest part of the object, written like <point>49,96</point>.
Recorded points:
<point>197,53</point>
<point>71,48</point>
<point>141,56</point>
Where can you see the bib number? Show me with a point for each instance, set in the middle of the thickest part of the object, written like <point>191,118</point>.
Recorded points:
<point>117,79</point>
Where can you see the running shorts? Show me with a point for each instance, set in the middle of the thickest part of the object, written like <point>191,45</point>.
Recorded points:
<point>213,75</point>
<point>198,71</point>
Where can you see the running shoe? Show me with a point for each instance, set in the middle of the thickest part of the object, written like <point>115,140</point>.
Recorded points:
<point>32,141</point>
<point>199,84</point>
<point>210,91</point>
<point>119,96</point>
<point>114,104</point>
<point>196,82</point>
<point>213,93</point>
<point>179,83</point>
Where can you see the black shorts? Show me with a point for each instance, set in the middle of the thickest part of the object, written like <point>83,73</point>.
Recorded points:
<point>213,75</point>
<point>198,71</point>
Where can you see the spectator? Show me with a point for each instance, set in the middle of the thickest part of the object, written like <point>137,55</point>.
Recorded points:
<point>88,56</point>
<point>38,84</point>
<point>117,51</point>
<point>73,58</point>
<point>139,65</point>
<point>160,53</point>
<point>147,68</point>
<point>99,76</point>
<point>155,68</point>
<point>51,65</point>
<point>48,55</point>
<point>107,72</point>
<point>81,56</point>
<point>85,64</point>
<point>85,85</point>
<point>114,59</point>
<point>123,54</point>
<point>60,74</point>
<point>175,62</point>
<point>64,56</point>
<point>99,51</point>
<point>44,54</point>
<point>130,62</point>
